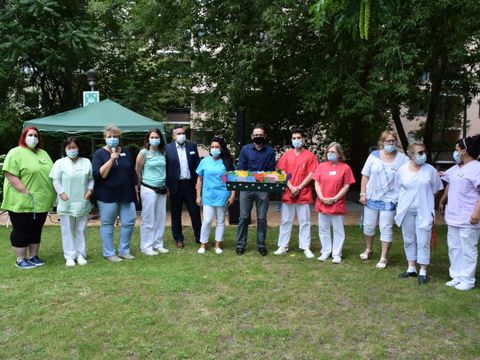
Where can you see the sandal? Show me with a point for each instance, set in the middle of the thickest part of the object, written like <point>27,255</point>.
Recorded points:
<point>382,264</point>
<point>367,254</point>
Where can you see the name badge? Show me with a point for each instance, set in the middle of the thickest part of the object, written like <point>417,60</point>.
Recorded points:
<point>123,154</point>
<point>331,173</point>
<point>192,152</point>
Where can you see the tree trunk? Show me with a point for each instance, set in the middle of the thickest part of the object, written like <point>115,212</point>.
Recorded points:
<point>399,126</point>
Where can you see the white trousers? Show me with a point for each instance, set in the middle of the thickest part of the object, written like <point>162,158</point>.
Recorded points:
<point>416,242</point>
<point>385,223</point>
<point>324,223</point>
<point>152,225</point>
<point>209,212</point>
<point>73,235</point>
<point>304,223</point>
<point>463,253</point>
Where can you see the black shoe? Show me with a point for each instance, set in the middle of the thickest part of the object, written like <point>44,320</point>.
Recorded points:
<point>422,279</point>
<point>407,274</point>
<point>263,251</point>
<point>240,251</point>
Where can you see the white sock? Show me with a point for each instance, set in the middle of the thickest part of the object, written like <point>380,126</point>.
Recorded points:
<point>423,272</point>
<point>412,269</point>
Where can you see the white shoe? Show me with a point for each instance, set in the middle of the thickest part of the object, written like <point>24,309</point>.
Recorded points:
<point>336,260</point>
<point>281,250</point>
<point>309,254</point>
<point>126,256</point>
<point>201,251</point>
<point>70,263</point>
<point>81,260</point>
<point>113,258</point>
<point>218,250</point>
<point>453,282</point>
<point>150,253</point>
<point>161,250</point>
<point>324,257</point>
<point>463,286</point>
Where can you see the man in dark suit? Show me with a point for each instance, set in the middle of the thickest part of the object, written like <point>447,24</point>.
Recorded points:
<point>182,161</point>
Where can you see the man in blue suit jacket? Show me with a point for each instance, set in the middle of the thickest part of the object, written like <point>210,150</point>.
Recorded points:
<point>182,161</point>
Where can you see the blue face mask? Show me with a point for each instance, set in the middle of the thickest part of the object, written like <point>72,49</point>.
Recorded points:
<point>215,152</point>
<point>457,157</point>
<point>297,143</point>
<point>112,142</point>
<point>389,148</point>
<point>154,142</point>
<point>72,154</point>
<point>421,159</point>
<point>331,157</point>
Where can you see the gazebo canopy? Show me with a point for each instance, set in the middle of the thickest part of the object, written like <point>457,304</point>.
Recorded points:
<point>94,118</point>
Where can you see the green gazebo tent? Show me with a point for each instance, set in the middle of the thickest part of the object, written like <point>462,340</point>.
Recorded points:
<point>93,119</point>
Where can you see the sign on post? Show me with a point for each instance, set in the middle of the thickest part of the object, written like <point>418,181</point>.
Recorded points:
<point>90,97</point>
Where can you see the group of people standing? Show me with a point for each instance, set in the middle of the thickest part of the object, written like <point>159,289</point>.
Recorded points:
<point>394,188</point>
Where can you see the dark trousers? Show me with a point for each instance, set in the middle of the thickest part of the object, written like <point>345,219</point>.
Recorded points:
<point>261,200</point>
<point>26,229</point>
<point>185,194</point>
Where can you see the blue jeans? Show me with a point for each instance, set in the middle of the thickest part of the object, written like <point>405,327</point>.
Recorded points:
<point>108,215</point>
<point>247,198</point>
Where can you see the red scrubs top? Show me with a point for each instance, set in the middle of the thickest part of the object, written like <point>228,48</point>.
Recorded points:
<point>331,179</point>
<point>298,167</point>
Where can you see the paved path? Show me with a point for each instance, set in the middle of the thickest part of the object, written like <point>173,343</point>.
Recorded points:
<point>352,217</point>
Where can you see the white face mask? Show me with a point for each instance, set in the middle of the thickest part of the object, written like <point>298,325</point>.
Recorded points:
<point>31,141</point>
<point>180,139</point>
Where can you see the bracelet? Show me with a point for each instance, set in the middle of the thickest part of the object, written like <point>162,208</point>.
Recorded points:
<point>362,194</point>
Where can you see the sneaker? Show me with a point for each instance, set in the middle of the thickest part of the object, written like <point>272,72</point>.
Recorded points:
<point>324,257</point>
<point>81,260</point>
<point>70,263</point>
<point>309,254</point>
<point>336,260</point>
<point>24,264</point>
<point>218,250</point>
<point>463,286</point>
<point>150,253</point>
<point>281,250</point>
<point>453,282</point>
<point>161,250</point>
<point>113,258</point>
<point>201,250</point>
<point>126,256</point>
<point>35,260</point>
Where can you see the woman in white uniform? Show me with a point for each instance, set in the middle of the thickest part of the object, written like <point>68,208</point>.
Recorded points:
<point>462,212</point>
<point>417,182</point>
<point>379,195</point>
<point>73,182</point>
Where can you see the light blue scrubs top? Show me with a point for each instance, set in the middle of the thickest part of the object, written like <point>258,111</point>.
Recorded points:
<point>214,189</point>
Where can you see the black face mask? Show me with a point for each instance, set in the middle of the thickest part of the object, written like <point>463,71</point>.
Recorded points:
<point>259,140</point>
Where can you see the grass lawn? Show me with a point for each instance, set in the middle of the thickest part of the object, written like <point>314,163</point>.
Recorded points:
<point>188,306</point>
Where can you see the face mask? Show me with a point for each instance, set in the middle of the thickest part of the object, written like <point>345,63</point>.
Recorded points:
<point>259,140</point>
<point>421,159</point>
<point>389,148</point>
<point>31,141</point>
<point>154,142</point>
<point>112,142</point>
<point>72,154</point>
<point>297,143</point>
<point>331,157</point>
<point>215,152</point>
<point>180,139</point>
<point>457,157</point>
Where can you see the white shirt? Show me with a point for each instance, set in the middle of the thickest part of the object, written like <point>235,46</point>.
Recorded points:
<point>182,157</point>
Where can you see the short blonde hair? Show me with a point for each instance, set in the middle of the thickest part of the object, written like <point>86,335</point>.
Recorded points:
<point>338,147</point>
<point>412,146</point>
<point>384,135</point>
<point>113,129</point>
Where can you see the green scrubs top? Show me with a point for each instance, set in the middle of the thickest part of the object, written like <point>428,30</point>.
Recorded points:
<point>74,177</point>
<point>32,168</point>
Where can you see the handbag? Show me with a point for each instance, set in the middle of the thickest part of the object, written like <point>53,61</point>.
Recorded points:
<point>159,190</point>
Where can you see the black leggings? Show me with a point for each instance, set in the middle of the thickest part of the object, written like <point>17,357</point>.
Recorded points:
<point>26,229</point>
